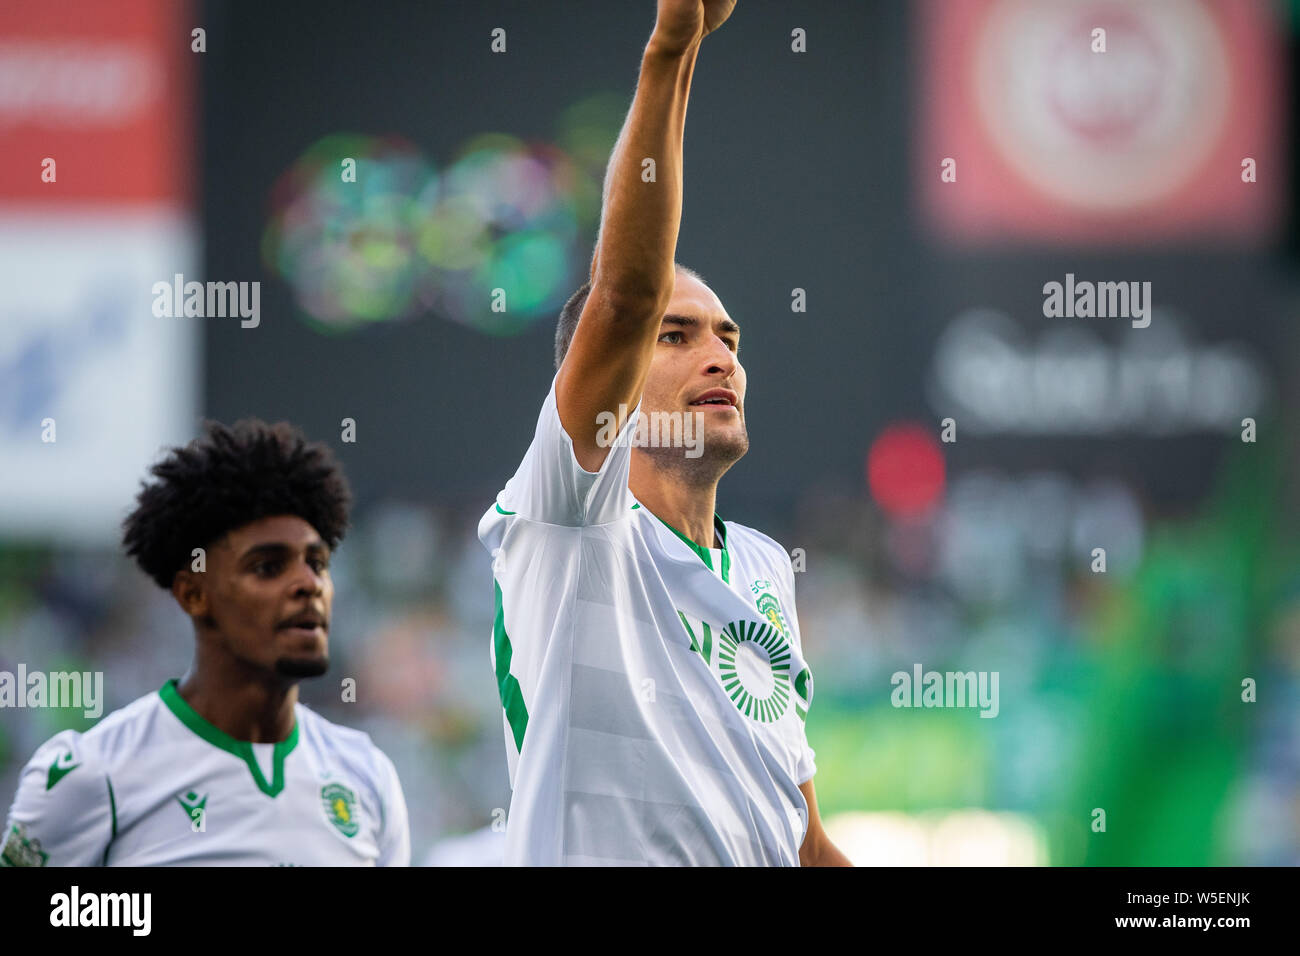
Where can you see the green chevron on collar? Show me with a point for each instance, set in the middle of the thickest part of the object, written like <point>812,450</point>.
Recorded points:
<point>242,749</point>
<point>704,553</point>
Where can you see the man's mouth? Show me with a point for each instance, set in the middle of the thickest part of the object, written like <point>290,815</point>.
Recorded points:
<point>308,623</point>
<point>716,398</point>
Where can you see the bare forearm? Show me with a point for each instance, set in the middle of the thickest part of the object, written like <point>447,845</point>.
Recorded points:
<point>825,853</point>
<point>642,207</point>
<point>817,849</point>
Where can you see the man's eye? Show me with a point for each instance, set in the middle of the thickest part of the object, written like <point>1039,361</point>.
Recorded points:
<point>666,334</point>
<point>318,565</point>
<point>265,569</point>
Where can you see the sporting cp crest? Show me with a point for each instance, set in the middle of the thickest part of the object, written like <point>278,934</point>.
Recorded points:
<point>340,805</point>
<point>770,608</point>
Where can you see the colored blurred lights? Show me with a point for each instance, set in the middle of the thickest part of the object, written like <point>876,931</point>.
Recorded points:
<point>492,241</point>
<point>346,248</point>
<point>905,470</point>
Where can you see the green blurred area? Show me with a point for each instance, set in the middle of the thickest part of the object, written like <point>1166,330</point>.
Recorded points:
<point>1140,714</point>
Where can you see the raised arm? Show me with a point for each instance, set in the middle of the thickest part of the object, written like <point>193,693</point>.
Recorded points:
<point>632,270</point>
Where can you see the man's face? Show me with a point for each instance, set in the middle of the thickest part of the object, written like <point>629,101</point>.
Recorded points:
<point>696,371</point>
<point>268,595</point>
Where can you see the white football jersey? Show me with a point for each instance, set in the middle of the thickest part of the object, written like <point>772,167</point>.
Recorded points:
<point>655,692</point>
<point>154,784</point>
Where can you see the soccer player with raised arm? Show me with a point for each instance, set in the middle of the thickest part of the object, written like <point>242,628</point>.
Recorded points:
<point>225,767</point>
<point>647,652</point>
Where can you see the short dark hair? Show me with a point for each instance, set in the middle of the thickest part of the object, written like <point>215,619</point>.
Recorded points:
<point>226,479</point>
<point>572,312</point>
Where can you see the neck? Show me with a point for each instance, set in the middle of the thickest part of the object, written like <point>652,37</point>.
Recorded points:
<point>245,703</point>
<point>687,507</point>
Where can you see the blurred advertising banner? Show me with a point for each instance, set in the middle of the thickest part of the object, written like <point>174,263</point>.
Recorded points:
<point>96,120</point>
<point>1088,121</point>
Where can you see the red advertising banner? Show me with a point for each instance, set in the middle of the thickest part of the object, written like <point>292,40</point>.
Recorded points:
<point>105,90</point>
<point>1094,121</point>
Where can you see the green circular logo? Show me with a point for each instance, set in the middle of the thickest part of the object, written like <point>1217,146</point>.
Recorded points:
<point>754,664</point>
<point>340,805</point>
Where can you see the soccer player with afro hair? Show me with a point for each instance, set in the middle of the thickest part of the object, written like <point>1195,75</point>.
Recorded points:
<point>239,526</point>
<point>225,766</point>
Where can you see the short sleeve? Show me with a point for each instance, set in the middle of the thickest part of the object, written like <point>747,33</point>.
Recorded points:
<point>395,840</point>
<point>63,813</point>
<point>551,487</point>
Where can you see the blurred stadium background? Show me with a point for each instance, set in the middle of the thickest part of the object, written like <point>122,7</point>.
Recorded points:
<point>819,170</point>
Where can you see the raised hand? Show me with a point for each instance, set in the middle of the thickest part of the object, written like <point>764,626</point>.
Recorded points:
<point>681,23</point>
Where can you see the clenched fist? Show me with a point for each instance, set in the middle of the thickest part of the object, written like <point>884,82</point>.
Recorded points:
<point>681,23</point>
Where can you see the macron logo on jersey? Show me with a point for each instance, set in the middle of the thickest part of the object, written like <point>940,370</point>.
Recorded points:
<point>195,807</point>
<point>61,767</point>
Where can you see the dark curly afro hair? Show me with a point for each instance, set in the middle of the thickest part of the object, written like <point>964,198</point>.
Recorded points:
<point>228,478</point>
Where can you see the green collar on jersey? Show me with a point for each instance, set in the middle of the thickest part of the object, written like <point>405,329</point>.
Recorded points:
<point>219,738</point>
<point>706,555</point>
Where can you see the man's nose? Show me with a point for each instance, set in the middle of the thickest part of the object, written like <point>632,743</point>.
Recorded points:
<point>307,580</point>
<point>721,358</point>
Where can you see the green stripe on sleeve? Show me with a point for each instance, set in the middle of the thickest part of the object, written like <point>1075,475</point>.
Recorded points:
<point>112,806</point>
<point>512,695</point>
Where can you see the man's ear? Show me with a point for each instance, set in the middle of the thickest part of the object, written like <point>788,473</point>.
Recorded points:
<point>190,591</point>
